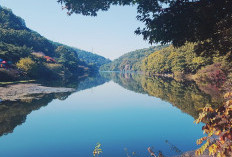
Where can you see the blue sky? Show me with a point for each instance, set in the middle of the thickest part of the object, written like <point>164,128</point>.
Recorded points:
<point>110,34</point>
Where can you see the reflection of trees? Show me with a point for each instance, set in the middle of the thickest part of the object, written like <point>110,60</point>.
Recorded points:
<point>92,81</point>
<point>15,113</point>
<point>184,95</point>
<point>79,84</point>
<point>130,81</point>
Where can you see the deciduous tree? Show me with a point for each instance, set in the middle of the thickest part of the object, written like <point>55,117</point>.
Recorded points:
<point>175,21</point>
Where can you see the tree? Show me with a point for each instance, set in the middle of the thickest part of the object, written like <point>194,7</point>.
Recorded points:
<point>67,58</point>
<point>26,64</point>
<point>175,21</point>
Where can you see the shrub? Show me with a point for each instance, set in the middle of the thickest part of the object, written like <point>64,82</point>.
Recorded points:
<point>54,67</point>
<point>218,129</point>
<point>228,84</point>
<point>9,75</point>
<point>33,69</point>
<point>211,74</point>
<point>26,64</point>
<point>55,70</point>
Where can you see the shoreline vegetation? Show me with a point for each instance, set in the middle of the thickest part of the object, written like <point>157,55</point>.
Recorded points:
<point>179,63</point>
<point>16,82</point>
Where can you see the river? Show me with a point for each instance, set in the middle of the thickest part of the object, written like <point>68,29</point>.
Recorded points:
<point>126,113</point>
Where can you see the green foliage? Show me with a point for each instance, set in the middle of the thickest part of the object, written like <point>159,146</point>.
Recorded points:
<point>9,21</point>
<point>91,58</point>
<point>12,52</point>
<point>67,58</point>
<point>27,38</point>
<point>165,60</point>
<point>130,61</point>
<point>173,60</point>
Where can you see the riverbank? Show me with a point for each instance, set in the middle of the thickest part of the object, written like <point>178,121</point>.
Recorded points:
<point>23,91</point>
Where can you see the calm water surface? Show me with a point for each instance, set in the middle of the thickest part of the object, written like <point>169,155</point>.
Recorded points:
<point>122,120</point>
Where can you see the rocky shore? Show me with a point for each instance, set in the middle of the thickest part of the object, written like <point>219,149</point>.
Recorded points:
<point>23,91</point>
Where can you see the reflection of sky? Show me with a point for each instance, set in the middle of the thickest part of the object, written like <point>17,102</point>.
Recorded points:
<point>108,114</point>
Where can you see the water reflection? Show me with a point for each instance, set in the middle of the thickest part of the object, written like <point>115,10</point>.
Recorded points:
<point>187,96</point>
<point>116,117</point>
<point>14,113</point>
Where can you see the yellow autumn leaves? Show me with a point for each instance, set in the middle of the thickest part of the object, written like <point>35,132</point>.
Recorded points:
<point>219,129</point>
<point>97,150</point>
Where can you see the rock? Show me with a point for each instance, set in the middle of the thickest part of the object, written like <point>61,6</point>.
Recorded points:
<point>23,91</point>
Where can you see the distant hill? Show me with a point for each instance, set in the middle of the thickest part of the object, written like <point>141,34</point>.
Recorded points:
<point>19,43</point>
<point>130,61</point>
<point>91,58</point>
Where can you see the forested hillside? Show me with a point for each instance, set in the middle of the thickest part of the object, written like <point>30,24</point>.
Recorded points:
<point>91,58</point>
<point>171,60</point>
<point>130,61</point>
<point>178,62</point>
<point>26,54</point>
<point>182,61</point>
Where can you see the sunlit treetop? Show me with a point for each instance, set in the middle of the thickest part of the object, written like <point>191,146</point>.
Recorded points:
<point>175,21</point>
